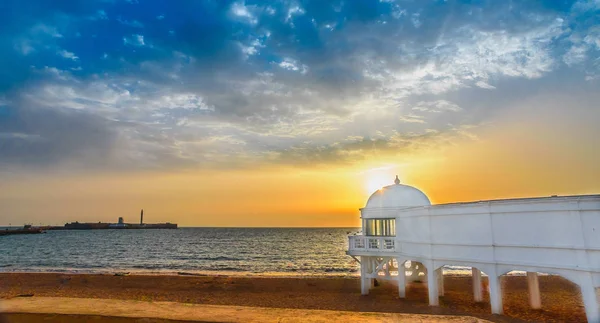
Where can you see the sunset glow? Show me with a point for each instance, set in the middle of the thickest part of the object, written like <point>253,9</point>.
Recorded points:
<point>377,178</point>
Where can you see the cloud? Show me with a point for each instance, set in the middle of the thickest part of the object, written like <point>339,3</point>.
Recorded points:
<point>255,81</point>
<point>292,65</point>
<point>24,47</point>
<point>484,85</point>
<point>395,145</point>
<point>68,55</point>
<point>39,138</point>
<point>132,23</point>
<point>134,40</point>
<point>412,118</point>
<point>47,30</point>
<point>436,106</point>
<point>99,15</point>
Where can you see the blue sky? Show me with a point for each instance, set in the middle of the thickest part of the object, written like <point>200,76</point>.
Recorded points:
<point>117,85</point>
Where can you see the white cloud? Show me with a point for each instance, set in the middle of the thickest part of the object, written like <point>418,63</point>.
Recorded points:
<point>188,101</point>
<point>68,55</point>
<point>585,5</point>
<point>415,20</point>
<point>252,48</point>
<point>575,55</point>
<point>436,106</point>
<point>56,73</point>
<point>584,45</point>
<point>484,85</point>
<point>100,15</point>
<point>132,23</point>
<point>292,65</point>
<point>24,47</point>
<point>45,29</point>
<point>468,56</point>
<point>294,10</point>
<point>134,40</point>
<point>412,118</point>
<point>240,10</point>
<point>592,77</point>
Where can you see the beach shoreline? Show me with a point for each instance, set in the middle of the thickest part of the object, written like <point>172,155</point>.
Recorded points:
<point>561,301</point>
<point>459,272</point>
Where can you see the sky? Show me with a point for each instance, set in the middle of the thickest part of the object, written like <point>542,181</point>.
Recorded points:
<point>290,113</point>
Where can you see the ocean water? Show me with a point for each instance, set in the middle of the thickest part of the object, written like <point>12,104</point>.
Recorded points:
<point>284,251</point>
<point>225,251</point>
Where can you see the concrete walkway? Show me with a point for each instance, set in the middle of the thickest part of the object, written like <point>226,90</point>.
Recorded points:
<point>205,313</point>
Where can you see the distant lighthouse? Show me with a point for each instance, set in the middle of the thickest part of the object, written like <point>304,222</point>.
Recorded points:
<point>142,217</point>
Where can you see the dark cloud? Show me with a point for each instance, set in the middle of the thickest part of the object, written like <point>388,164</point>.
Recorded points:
<point>39,137</point>
<point>352,150</point>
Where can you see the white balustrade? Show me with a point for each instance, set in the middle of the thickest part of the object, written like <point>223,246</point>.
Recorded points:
<point>384,244</point>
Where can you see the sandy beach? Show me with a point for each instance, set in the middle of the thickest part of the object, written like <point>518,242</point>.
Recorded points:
<point>561,301</point>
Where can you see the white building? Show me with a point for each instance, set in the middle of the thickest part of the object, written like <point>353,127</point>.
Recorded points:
<point>555,235</point>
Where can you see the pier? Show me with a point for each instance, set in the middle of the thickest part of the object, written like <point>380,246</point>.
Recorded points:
<point>27,229</point>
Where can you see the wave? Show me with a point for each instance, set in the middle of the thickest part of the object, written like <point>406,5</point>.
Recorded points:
<point>217,258</point>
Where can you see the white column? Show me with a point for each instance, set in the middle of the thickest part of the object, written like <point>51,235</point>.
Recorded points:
<point>533,285</point>
<point>371,270</point>
<point>365,283</point>
<point>388,265</point>
<point>401,279</point>
<point>440,281</point>
<point>495,292</point>
<point>432,286</point>
<point>477,284</point>
<point>590,300</point>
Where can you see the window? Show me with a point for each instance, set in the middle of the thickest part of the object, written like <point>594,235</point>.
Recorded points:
<point>379,227</point>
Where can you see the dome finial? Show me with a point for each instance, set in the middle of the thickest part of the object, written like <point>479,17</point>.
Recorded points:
<point>397,180</point>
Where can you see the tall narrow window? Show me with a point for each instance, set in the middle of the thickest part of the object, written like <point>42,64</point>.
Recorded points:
<point>379,227</point>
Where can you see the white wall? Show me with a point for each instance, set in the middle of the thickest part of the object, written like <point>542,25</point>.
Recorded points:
<point>550,234</point>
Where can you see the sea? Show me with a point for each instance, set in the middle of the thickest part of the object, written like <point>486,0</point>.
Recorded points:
<point>230,251</point>
<point>187,251</point>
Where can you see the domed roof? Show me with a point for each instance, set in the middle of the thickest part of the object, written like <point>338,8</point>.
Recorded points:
<point>397,195</point>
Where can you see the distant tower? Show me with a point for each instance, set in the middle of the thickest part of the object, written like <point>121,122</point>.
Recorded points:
<point>120,220</point>
<point>142,217</point>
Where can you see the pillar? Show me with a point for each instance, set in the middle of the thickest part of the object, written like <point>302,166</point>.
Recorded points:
<point>432,287</point>
<point>371,272</point>
<point>440,281</point>
<point>401,279</point>
<point>365,283</point>
<point>495,292</point>
<point>533,284</point>
<point>590,300</point>
<point>476,276</point>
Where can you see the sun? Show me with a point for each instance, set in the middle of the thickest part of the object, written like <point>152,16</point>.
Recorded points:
<point>376,181</point>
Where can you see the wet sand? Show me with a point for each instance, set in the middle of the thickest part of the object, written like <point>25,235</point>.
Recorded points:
<point>561,301</point>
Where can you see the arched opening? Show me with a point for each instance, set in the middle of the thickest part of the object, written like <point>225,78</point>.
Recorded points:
<point>462,287</point>
<point>415,281</point>
<point>388,278</point>
<point>560,299</point>
<point>416,272</point>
